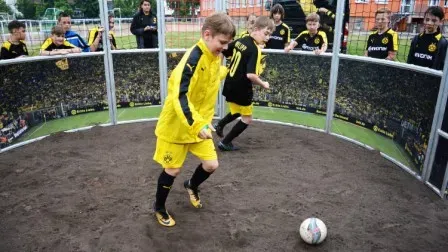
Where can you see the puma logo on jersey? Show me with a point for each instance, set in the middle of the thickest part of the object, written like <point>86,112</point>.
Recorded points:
<point>189,66</point>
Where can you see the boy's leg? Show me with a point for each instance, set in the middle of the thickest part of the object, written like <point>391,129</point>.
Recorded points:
<point>171,156</point>
<point>219,126</point>
<point>238,128</point>
<point>205,151</point>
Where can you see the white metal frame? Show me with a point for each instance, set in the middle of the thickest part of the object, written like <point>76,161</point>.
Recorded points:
<point>436,131</point>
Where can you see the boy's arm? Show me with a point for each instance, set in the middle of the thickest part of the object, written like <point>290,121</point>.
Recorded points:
<point>441,54</point>
<point>393,47</point>
<point>253,68</point>
<point>180,83</point>
<point>288,37</point>
<point>255,79</point>
<point>134,29</point>
<point>412,50</point>
<point>4,53</point>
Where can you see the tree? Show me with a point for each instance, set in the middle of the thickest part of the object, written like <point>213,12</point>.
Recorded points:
<point>130,7</point>
<point>4,7</point>
<point>91,8</point>
<point>184,7</point>
<point>27,8</point>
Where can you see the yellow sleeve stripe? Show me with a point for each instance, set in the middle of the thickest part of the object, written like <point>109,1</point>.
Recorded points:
<point>92,36</point>
<point>66,43</point>
<point>46,44</point>
<point>301,34</point>
<point>7,45</point>
<point>324,36</point>
<point>395,41</point>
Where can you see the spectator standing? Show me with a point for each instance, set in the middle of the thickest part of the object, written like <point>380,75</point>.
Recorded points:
<point>144,26</point>
<point>428,49</point>
<point>383,43</point>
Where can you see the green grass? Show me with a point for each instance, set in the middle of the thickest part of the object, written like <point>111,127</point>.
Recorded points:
<point>366,136</point>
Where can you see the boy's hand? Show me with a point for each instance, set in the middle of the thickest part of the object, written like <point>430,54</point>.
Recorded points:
<point>287,49</point>
<point>205,133</point>
<point>322,9</point>
<point>317,51</point>
<point>266,84</point>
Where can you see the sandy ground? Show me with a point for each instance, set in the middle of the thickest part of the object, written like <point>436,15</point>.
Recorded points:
<point>93,191</point>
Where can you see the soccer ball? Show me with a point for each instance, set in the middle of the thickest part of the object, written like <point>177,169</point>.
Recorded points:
<point>313,230</point>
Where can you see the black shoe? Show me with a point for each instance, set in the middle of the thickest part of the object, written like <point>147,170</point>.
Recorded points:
<point>227,147</point>
<point>219,130</point>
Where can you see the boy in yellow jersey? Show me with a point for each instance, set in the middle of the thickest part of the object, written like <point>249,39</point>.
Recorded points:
<point>15,46</point>
<point>96,36</point>
<point>312,39</point>
<point>244,71</point>
<point>56,44</point>
<point>383,43</point>
<point>185,121</point>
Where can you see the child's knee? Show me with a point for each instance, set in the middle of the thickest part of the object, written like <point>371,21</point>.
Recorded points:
<point>246,119</point>
<point>172,171</point>
<point>210,165</point>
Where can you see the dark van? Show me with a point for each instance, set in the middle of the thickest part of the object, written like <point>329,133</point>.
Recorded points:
<point>295,18</point>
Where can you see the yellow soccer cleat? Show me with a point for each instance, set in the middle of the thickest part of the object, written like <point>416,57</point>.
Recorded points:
<point>194,195</point>
<point>164,218</point>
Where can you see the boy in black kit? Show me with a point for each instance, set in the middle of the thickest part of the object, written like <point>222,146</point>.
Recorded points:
<point>428,49</point>
<point>383,43</point>
<point>280,37</point>
<point>244,70</point>
<point>14,47</point>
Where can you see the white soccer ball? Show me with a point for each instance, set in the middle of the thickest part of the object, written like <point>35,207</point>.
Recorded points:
<point>313,231</point>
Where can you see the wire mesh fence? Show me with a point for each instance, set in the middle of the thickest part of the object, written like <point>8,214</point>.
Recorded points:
<point>184,18</point>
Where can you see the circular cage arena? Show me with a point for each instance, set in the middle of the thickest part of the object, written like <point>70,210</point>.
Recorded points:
<point>359,143</point>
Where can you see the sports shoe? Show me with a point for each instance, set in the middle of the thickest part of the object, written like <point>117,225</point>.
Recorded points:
<point>227,147</point>
<point>194,194</point>
<point>164,218</point>
<point>219,130</point>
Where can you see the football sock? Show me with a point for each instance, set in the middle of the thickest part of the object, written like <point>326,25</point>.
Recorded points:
<point>239,127</point>
<point>163,189</point>
<point>199,176</point>
<point>228,119</point>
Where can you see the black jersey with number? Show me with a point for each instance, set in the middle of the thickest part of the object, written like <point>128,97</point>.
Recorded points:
<point>11,51</point>
<point>379,45</point>
<point>279,37</point>
<point>246,58</point>
<point>428,50</point>
<point>307,42</point>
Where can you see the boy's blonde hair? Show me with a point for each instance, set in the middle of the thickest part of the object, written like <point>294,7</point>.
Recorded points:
<point>263,22</point>
<point>219,23</point>
<point>313,17</point>
<point>57,30</point>
<point>383,10</point>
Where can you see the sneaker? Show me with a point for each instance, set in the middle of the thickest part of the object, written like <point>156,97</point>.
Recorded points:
<point>219,130</point>
<point>164,218</point>
<point>227,147</point>
<point>194,195</point>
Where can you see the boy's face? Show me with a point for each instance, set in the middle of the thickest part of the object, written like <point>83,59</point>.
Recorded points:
<point>312,26</point>
<point>66,23</point>
<point>277,17</point>
<point>216,44</point>
<point>111,23</point>
<point>58,39</point>
<point>261,36</point>
<point>431,23</point>
<point>146,6</point>
<point>19,34</point>
<point>382,20</point>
